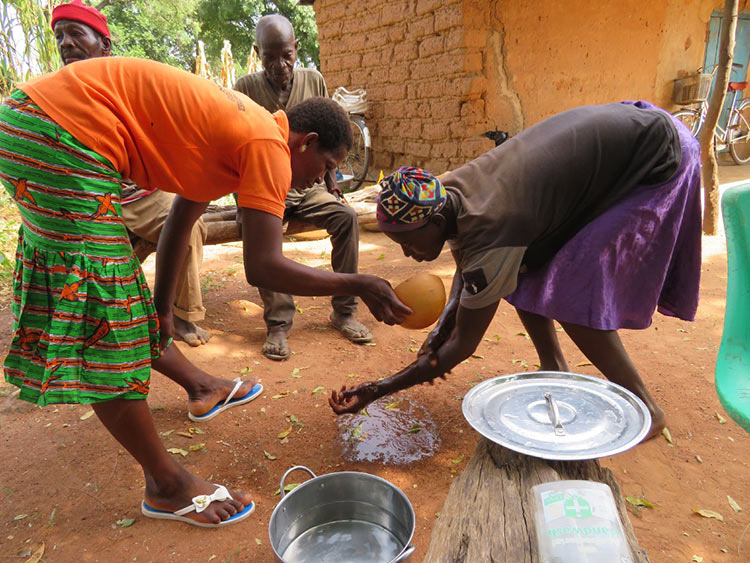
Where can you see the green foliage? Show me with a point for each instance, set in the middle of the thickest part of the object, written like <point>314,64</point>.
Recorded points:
<point>8,236</point>
<point>27,44</point>
<point>160,30</point>
<point>235,20</point>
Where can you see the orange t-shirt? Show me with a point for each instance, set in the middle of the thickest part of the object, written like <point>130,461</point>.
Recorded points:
<point>165,128</point>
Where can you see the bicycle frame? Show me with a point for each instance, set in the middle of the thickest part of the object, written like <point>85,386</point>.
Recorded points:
<point>721,135</point>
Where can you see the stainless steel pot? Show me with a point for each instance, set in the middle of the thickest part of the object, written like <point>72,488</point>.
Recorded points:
<point>344,517</point>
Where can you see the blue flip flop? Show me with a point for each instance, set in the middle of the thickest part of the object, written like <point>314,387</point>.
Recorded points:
<point>199,504</point>
<point>229,402</point>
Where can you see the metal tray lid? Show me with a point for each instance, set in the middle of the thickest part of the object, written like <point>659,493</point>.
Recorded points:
<point>557,415</point>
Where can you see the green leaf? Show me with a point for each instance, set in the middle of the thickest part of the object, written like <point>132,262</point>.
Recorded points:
<point>268,455</point>
<point>458,460</point>
<point>288,487</point>
<point>357,433</point>
<point>709,514</point>
<point>179,451</point>
<point>380,257</point>
<point>414,429</point>
<point>639,501</point>
<point>733,503</point>
<point>318,388</point>
<point>126,522</point>
<point>667,436</point>
<point>294,420</point>
<point>284,434</point>
<point>392,406</point>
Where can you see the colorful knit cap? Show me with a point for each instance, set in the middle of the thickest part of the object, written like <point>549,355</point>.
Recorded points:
<point>408,198</point>
<point>79,12</point>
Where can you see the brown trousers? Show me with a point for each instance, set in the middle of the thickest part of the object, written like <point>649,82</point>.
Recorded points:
<point>145,217</point>
<point>325,211</point>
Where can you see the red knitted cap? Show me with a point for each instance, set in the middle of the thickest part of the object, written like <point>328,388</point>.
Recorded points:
<point>78,11</point>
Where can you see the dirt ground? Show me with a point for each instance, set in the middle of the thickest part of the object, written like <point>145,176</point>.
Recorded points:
<point>66,485</point>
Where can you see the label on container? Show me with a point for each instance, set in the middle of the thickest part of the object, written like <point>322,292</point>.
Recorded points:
<point>577,521</point>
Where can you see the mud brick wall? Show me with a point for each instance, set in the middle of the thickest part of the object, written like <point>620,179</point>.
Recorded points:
<point>439,73</point>
<point>423,71</point>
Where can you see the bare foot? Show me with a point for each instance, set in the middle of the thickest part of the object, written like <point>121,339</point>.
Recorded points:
<point>176,492</point>
<point>351,328</point>
<point>215,392</point>
<point>190,332</point>
<point>658,422</point>
<point>276,347</point>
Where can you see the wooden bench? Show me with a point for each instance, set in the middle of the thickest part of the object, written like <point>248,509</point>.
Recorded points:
<point>222,226</point>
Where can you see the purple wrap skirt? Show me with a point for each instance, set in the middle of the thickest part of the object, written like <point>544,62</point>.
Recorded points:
<point>641,255</point>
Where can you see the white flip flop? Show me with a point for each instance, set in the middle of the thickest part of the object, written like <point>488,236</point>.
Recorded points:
<point>199,504</point>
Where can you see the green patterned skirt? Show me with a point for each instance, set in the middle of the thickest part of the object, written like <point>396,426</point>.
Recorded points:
<point>85,328</point>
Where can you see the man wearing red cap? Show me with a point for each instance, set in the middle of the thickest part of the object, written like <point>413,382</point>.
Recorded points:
<point>82,33</point>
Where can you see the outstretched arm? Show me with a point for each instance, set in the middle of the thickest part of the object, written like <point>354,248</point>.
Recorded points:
<point>471,324</point>
<point>265,266</point>
<point>447,320</point>
<point>171,251</point>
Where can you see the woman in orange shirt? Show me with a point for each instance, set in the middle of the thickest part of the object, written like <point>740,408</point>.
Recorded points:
<point>86,328</point>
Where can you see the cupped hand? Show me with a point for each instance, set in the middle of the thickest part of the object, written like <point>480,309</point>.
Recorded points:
<point>354,399</point>
<point>383,303</point>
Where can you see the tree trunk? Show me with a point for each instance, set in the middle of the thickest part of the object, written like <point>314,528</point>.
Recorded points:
<point>710,174</point>
<point>488,514</point>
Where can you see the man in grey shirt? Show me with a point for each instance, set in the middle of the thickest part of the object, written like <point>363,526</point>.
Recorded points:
<point>279,86</point>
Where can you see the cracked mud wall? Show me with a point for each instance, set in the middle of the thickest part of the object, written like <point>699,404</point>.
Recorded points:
<point>439,73</point>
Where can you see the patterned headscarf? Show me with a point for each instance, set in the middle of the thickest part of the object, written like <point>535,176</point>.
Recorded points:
<point>408,198</point>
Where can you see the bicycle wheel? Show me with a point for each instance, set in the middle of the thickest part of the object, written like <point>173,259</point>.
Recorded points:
<point>739,141</point>
<point>691,118</point>
<point>358,160</point>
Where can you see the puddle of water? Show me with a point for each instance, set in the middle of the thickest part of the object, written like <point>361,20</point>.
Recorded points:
<point>390,431</point>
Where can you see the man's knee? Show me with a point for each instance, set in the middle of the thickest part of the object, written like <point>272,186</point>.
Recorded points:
<point>344,218</point>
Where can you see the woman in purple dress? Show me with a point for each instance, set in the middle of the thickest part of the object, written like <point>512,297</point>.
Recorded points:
<point>591,218</point>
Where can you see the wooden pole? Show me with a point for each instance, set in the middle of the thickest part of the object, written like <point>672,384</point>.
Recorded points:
<point>710,174</point>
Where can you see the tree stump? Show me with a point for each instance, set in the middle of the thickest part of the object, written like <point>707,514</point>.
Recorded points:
<point>488,515</point>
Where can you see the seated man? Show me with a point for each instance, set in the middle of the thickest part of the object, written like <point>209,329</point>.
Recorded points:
<point>81,33</point>
<point>279,86</point>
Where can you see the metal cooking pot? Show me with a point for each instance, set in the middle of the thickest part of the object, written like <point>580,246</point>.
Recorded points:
<point>344,517</point>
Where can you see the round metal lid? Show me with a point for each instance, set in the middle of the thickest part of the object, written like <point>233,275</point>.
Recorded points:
<point>557,415</point>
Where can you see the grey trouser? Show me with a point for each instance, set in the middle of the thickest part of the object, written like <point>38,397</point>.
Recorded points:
<point>325,211</point>
<point>145,217</point>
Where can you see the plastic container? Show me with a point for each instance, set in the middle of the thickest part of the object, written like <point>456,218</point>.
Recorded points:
<point>577,522</point>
